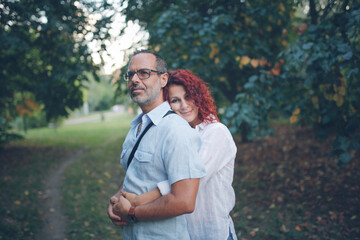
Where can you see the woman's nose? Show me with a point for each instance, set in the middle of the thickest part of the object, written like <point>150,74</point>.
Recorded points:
<point>184,104</point>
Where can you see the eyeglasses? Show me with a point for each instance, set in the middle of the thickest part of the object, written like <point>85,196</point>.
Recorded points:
<point>143,74</point>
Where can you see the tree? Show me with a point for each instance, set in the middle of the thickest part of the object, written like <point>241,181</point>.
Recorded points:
<point>323,66</point>
<point>267,57</point>
<point>44,54</point>
<point>223,42</point>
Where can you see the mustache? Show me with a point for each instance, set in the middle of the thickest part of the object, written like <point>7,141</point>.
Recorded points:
<point>137,86</point>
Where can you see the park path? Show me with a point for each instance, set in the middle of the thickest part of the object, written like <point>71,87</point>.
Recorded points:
<point>54,227</point>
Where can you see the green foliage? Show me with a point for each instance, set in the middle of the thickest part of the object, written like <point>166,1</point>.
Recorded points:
<point>44,53</point>
<point>36,120</point>
<point>206,37</point>
<point>214,39</point>
<point>267,57</point>
<point>251,108</point>
<point>321,78</point>
<point>7,136</point>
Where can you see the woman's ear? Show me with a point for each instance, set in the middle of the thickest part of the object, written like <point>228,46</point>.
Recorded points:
<point>164,79</point>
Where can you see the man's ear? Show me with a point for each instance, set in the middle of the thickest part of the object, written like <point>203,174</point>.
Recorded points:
<point>164,79</point>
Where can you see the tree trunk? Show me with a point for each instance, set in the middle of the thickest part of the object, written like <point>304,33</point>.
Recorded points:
<point>24,116</point>
<point>24,124</point>
<point>346,2</point>
<point>244,129</point>
<point>313,12</point>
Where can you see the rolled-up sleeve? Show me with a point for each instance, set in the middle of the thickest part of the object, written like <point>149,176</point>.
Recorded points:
<point>164,187</point>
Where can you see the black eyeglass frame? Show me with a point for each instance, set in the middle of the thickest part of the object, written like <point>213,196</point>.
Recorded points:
<point>127,77</point>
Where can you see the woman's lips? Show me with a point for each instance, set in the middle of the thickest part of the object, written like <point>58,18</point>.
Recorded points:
<point>186,113</point>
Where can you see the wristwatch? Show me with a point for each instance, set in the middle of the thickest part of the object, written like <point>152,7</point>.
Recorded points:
<point>131,216</point>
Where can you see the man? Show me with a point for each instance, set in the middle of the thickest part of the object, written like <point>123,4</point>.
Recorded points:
<point>168,150</point>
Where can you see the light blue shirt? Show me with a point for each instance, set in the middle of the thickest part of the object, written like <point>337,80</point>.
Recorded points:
<point>169,150</point>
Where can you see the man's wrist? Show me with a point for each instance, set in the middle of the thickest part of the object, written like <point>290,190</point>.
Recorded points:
<point>131,215</point>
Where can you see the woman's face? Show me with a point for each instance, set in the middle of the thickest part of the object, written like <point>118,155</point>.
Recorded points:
<point>183,105</point>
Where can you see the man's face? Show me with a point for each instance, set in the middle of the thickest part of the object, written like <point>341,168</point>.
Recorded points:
<point>146,93</point>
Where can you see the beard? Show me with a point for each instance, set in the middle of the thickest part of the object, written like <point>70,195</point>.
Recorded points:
<point>147,96</point>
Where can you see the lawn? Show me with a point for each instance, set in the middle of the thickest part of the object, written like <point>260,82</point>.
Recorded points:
<point>88,182</point>
<point>286,186</point>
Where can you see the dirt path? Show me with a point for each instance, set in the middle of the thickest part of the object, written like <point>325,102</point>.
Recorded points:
<point>54,221</point>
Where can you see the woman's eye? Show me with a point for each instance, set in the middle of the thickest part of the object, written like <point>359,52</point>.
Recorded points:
<point>174,101</point>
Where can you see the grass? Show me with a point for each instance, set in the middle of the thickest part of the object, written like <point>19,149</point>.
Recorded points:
<point>23,169</point>
<point>88,183</point>
<point>90,134</point>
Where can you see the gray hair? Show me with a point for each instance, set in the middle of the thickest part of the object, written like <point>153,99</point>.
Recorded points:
<point>161,65</point>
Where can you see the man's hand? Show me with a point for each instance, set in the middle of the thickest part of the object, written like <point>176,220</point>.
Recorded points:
<point>122,207</point>
<point>117,220</point>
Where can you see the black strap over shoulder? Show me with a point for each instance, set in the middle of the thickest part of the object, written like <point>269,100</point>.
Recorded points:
<point>141,136</point>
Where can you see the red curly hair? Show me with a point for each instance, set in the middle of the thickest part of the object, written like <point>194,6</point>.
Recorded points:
<point>197,90</point>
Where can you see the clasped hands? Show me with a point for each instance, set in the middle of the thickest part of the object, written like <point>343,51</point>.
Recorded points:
<point>119,208</point>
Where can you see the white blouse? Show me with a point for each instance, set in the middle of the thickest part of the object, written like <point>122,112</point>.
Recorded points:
<point>216,197</point>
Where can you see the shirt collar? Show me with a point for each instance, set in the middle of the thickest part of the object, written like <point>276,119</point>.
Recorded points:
<point>158,113</point>
<point>204,123</point>
<point>136,121</point>
<point>154,115</point>
<point>201,125</point>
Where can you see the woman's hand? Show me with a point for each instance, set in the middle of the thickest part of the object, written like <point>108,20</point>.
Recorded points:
<point>137,200</point>
<point>131,197</point>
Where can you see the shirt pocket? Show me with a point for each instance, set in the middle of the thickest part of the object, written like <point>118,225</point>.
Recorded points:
<point>143,157</point>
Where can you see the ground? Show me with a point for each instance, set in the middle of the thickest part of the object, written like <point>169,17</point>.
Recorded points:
<point>288,188</point>
<point>54,226</point>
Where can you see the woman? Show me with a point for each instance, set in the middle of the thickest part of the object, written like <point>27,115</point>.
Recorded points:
<point>190,98</point>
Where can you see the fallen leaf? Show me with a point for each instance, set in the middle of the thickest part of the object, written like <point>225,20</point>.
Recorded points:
<point>254,231</point>
<point>283,228</point>
<point>252,234</point>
